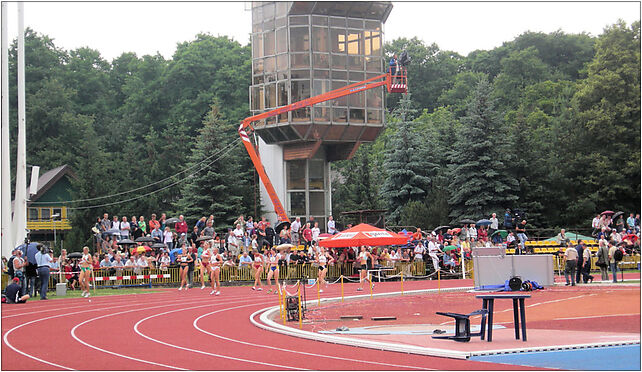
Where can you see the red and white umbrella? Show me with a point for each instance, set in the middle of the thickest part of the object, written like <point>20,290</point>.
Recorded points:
<point>363,234</point>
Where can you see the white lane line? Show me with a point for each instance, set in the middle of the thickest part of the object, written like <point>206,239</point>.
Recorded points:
<point>5,338</point>
<point>205,352</point>
<point>195,323</point>
<point>596,316</point>
<point>178,302</point>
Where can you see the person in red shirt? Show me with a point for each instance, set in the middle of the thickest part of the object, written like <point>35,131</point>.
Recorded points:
<point>417,235</point>
<point>153,223</point>
<point>181,226</point>
<point>307,235</point>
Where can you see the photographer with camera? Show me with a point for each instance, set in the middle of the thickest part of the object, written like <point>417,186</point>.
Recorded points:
<point>44,260</point>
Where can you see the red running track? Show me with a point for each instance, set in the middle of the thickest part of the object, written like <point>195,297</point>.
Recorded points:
<point>176,330</point>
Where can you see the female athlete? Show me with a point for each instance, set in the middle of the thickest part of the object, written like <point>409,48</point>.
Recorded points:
<point>184,258</point>
<point>215,273</point>
<point>273,270</point>
<point>205,263</point>
<point>85,271</point>
<point>363,260</point>
<point>322,260</point>
<point>257,266</point>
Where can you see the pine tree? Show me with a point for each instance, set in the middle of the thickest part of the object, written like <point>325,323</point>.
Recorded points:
<point>479,182</point>
<point>213,186</point>
<point>406,164</point>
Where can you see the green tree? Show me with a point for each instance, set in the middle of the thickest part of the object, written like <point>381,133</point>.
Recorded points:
<point>479,182</point>
<point>212,186</point>
<point>405,165</point>
<point>605,138</point>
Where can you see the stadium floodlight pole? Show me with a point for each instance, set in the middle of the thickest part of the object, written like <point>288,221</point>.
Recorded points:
<point>20,204</point>
<point>5,186</point>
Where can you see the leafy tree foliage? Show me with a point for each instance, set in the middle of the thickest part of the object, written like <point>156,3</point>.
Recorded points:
<point>479,181</point>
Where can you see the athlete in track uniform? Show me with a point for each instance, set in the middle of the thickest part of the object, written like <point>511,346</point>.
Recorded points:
<point>184,258</point>
<point>363,260</point>
<point>273,270</point>
<point>215,274</point>
<point>205,263</point>
<point>257,266</point>
<point>322,260</point>
<point>85,265</point>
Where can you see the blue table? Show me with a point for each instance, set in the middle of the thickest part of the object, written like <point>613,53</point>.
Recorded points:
<point>518,308</point>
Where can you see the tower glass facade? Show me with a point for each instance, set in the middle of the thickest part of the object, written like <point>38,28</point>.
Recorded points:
<point>304,49</point>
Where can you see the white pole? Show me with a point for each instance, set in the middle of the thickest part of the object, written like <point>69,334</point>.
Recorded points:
<point>20,203</point>
<point>7,234</point>
<point>463,264</point>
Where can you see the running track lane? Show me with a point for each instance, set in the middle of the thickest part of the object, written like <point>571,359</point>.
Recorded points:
<point>218,326</point>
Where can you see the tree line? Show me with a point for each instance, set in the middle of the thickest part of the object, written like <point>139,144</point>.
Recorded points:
<point>549,123</point>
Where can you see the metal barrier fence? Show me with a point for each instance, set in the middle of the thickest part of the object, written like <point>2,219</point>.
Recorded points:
<point>293,272</point>
<point>246,274</point>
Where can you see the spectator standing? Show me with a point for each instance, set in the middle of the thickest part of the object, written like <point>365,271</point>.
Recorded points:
<point>209,229</point>
<point>433,251</point>
<point>331,226</point>
<point>181,225</point>
<point>153,223</point>
<point>613,261</point>
<point>168,238</point>
<point>472,232</point>
<point>115,228</point>
<point>124,228</point>
<point>315,233</point>
<point>419,252</point>
<point>570,257</point>
<point>270,234</point>
<point>603,259</point>
<point>595,224</point>
<point>630,223</point>
<point>494,224</point>
<point>162,221</point>
<point>586,264</point>
<point>580,262</point>
<point>105,225</point>
<point>193,235</point>
<point>295,230</point>
<point>285,236</point>
<point>142,224</point>
<point>307,235</point>
<point>521,234</point>
<point>19,264</point>
<point>508,220</point>
<point>200,224</point>
<point>157,234</point>
<point>261,235</point>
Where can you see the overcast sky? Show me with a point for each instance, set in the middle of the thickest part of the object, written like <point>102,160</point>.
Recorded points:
<point>150,27</point>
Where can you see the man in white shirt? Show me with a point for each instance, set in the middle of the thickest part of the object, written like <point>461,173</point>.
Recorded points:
<point>315,233</point>
<point>233,243</point>
<point>419,252</point>
<point>295,229</point>
<point>331,227</point>
<point>494,224</point>
<point>124,228</point>
<point>433,251</point>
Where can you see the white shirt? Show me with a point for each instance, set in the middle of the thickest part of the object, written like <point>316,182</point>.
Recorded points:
<point>315,233</point>
<point>596,223</point>
<point>510,238</point>
<point>124,228</point>
<point>238,233</point>
<point>165,260</point>
<point>331,228</point>
<point>432,247</point>
<point>419,251</point>
<point>168,237</point>
<point>142,262</point>
<point>295,227</point>
<point>494,223</point>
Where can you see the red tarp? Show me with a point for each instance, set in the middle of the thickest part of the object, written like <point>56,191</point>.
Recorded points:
<point>363,234</point>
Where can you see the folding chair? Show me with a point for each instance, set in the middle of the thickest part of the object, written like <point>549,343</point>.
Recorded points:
<point>462,325</point>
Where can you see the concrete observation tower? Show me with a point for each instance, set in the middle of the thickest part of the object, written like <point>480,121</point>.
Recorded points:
<point>301,50</point>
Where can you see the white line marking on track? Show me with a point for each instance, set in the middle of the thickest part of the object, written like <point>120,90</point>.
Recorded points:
<point>5,338</point>
<point>596,316</point>
<point>205,352</point>
<point>195,323</point>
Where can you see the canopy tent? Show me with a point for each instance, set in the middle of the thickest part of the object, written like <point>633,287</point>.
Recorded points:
<point>364,234</point>
<point>571,236</point>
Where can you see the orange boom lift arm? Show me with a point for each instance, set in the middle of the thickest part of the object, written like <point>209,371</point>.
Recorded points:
<point>400,86</point>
